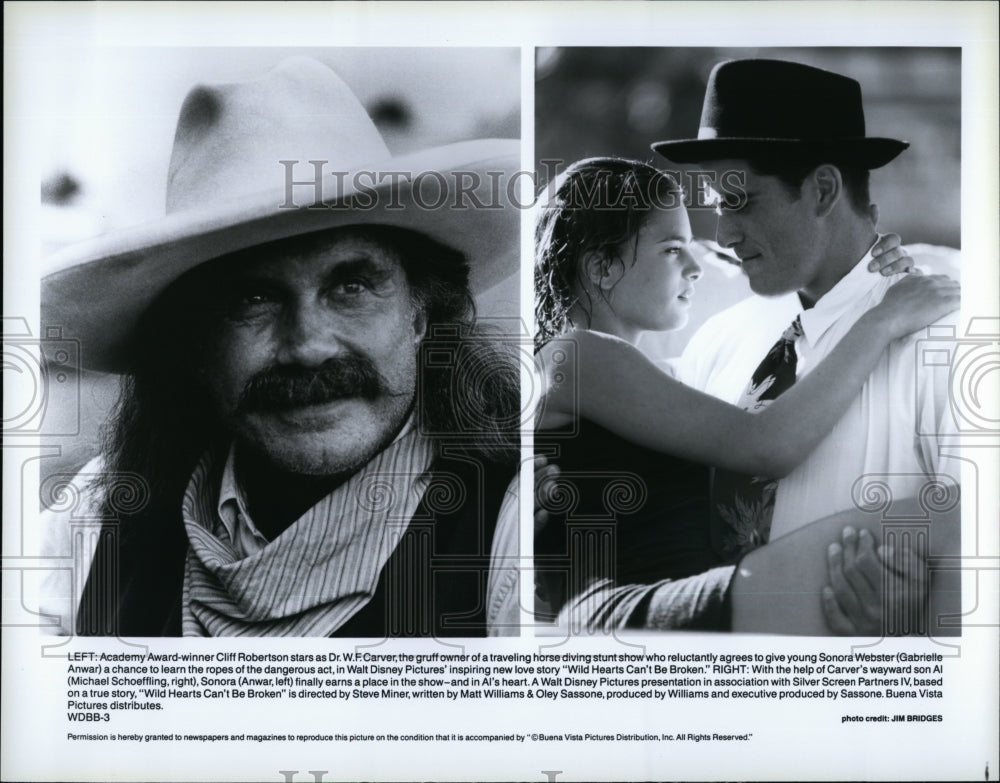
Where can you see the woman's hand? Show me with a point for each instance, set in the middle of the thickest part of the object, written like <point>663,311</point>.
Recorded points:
<point>915,302</point>
<point>888,256</point>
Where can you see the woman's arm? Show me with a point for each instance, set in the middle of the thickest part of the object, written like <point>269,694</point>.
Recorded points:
<point>612,383</point>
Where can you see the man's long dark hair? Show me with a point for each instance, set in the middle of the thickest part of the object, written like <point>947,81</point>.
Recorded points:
<point>467,399</point>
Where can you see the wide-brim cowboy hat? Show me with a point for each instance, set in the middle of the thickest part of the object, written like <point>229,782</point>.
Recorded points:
<point>755,107</point>
<point>243,172</point>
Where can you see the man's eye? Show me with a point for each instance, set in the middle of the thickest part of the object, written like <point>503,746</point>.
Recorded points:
<point>250,299</point>
<point>248,302</point>
<point>351,287</point>
<point>254,298</point>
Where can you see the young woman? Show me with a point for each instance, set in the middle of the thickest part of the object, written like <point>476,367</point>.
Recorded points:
<point>613,260</point>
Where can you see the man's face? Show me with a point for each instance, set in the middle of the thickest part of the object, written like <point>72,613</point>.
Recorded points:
<point>311,358</point>
<point>770,230</point>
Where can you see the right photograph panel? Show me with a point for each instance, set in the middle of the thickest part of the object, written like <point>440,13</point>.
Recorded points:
<point>746,272</point>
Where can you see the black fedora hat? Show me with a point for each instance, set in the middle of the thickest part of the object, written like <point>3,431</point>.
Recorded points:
<point>757,106</point>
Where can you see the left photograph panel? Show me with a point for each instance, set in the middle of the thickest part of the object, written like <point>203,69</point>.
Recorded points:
<point>280,343</point>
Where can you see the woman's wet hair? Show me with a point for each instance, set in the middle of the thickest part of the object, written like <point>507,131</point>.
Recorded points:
<point>596,206</point>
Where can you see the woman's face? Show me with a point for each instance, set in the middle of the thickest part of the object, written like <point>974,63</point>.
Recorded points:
<point>657,274</point>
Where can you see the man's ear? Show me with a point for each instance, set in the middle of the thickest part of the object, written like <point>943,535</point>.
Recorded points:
<point>419,323</point>
<point>602,271</point>
<point>827,186</point>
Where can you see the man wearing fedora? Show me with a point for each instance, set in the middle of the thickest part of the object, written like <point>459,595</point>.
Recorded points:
<point>785,143</point>
<point>790,141</point>
<point>315,437</point>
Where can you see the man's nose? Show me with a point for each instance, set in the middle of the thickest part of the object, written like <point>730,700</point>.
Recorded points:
<point>727,232</point>
<point>308,335</point>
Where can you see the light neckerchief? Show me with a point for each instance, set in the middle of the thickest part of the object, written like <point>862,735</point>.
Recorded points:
<point>320,571</point>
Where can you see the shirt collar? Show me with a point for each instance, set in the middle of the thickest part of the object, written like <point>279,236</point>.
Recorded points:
<point>856,285</point>
<point>232,503</point>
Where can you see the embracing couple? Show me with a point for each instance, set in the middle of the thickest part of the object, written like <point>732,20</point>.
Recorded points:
<point>690,498</point>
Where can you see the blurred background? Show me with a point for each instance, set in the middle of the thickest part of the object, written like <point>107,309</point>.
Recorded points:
<point>617,101</point>
<point>107,118</point>
<point>108,115</point>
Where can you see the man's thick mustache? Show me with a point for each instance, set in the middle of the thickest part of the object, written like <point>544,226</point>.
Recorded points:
<point>294,386</point>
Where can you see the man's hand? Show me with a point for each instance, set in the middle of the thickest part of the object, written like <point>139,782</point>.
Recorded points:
<point>868,586</point>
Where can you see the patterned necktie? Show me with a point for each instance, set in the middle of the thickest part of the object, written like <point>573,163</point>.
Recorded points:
<point>742,505</point>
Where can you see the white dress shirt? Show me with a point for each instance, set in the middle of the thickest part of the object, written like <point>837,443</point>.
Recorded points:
<point>890,434</point>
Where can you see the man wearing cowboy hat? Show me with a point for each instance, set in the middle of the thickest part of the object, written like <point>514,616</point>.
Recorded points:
<point>800,220</point>
<point>317,438</point>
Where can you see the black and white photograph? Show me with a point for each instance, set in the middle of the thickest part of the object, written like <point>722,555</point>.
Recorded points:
<point>501,391</point>
<point>762,195</point>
